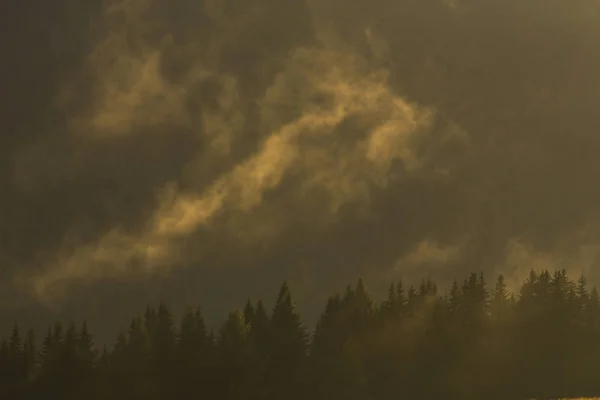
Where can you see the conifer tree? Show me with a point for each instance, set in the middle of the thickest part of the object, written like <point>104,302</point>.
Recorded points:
<point>5,367</point>
<point>47,350</point>
<point>163,346</point>
<point>248,312</point>
<point>17,371</point>
<point>232,338</point>
<point>163,343</point>
<point>30,354</point>
<point>191,352</point>
<point>233,353</point>
<point>454,300</point>
<point>87,354</point>
<point>260,330</point>
<point>289,347</point>
<point>289,334</point>
<point>57,334</point>
<point>500,299</point>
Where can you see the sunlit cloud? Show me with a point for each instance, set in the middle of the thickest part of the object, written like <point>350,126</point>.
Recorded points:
<point>303,113</point>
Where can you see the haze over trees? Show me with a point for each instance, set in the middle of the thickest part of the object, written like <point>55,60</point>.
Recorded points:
<point>189,149</point>
<point>476,341</point>
<point>81,158</point>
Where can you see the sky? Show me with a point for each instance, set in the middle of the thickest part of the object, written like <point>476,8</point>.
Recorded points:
<point>204,151</point>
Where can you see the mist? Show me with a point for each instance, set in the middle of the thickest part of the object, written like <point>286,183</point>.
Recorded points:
<point>208,150</point>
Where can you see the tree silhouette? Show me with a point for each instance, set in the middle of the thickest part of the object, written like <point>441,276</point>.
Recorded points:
<point>464,344</point>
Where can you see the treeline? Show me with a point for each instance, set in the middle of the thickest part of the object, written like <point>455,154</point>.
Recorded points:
<point>474,342</point>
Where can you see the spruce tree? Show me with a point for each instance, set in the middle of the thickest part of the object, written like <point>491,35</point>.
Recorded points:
<point>289,348</point>
<point>30,354</point>
<point>248,312</point>
<point>86,352</point>
<point>233,352</point>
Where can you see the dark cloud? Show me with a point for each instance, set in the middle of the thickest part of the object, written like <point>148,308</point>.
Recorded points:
<point>151,143</point>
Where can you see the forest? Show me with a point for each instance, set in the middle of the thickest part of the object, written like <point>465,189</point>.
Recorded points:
<point>473,342</point>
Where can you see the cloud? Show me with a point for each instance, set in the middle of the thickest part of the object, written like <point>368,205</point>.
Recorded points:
<point>340,136</point>
<point>331,121</point>
<point>128,89</point>
<point>429,257</point>
<point>522,257</point>
<point>131,91</point>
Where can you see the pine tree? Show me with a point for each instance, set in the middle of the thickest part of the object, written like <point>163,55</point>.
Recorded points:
<point>359,307</point>
<point>259,352</point>
<point>48,347</point>
<point>455,298</point>
<point>15,344</point>
<point>150,321</point>
<point>104,360</point>
<point>86,352</point>
<point>120,347</point>
<point>259,333</point>
<point>69,349</point>
<point>474,301</point>
<point>389,308</point>
<point>211,339</point>
<point>57,334</point>
<point>14,368</point>
<point>248,312</point>
<point>500,299</point>
<point>232,338</point>
<point>5,367</point>
<point>70,341</point>
<point>330,333</point>
<point>233,353</point>
<point>400,297</point>
<point>191,352</point>
<point>164,337</point>
<point>593,311</point>
<point>17,366</point>
<point>163,347</point>
<point>582,292</point>
<point>289,347</point>
<point>412,300</point>
<point>186,332</point>
<point>288,330</point>
<point>138,346</point>
<point>500,293</point>
<point>192,342</point>
<point>30,354</point>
